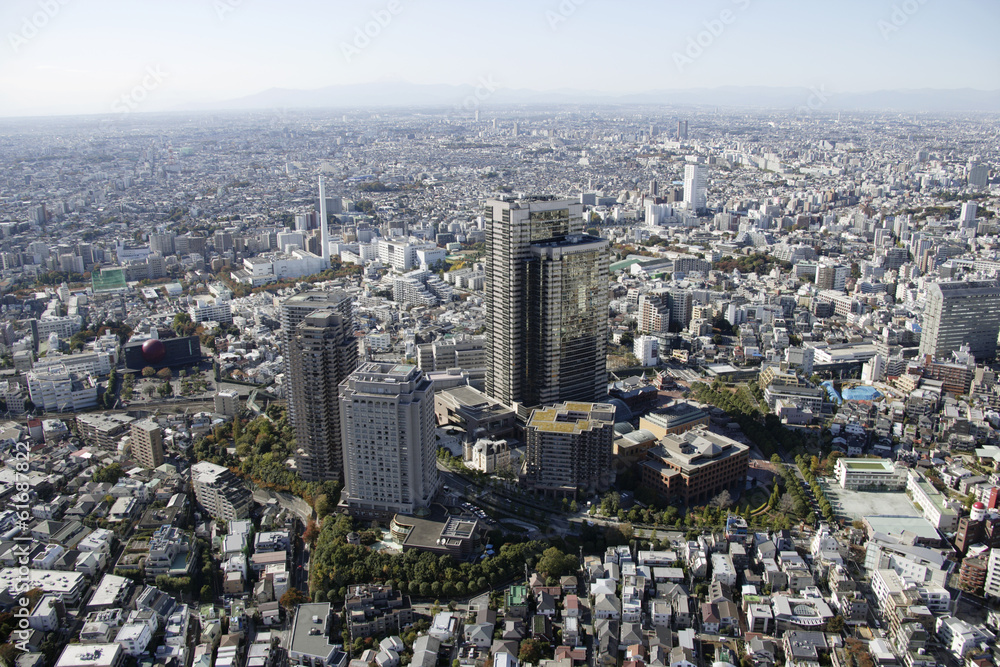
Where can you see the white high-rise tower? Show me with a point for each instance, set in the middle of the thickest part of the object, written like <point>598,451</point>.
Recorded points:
<point>324,241</point>
<point>694,187</point>
<point>387,424</point>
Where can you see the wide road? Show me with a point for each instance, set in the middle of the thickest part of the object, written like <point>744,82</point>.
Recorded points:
<point>476,494</point>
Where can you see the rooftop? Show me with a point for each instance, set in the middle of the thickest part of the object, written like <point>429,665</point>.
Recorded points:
<point>309,631</point>
<point>572,417</point>
<point>869,464</point>
<point>89,655</point>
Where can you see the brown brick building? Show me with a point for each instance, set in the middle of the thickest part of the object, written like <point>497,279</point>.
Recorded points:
<point>695,466</point>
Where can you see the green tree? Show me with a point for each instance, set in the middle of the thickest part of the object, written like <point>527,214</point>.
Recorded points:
<point>148,372</point>
<point>836,624</point>
<point>554,563</point>
<point>109,474</point>
<point>532,650</point>
<point>292,598</point>
<point>322,506</point>
<point>182,325</point>
<point>206,593</point>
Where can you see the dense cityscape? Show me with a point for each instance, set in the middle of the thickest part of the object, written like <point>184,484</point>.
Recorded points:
<point>561,386</point>
<point>519,334</point>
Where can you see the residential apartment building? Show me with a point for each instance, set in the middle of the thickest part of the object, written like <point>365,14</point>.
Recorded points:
<point>512,225</point>
<point>321,352</point>
<point>567,321</point>
<point>454,352</point>
<point>220,492</point>
<point>103,430</point>
<point>376,610</point>
<point>227,403</point>
<point>147,443</point>
<point>309,386</point>
<point>390,461</point>
<point>569,447</point>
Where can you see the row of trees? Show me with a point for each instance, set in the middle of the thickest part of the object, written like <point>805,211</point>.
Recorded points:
<point>708,517</point>
<point>128,387</point>
<point>824,503</point>
<point>335,565</point>
<point>800,502</point>
<point>108,397</point>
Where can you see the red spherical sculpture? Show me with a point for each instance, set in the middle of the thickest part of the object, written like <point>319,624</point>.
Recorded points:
<point>153,351</point>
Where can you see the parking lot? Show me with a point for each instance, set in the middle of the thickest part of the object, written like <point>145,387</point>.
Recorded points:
<point>856,504</point>
<point>483,516</point>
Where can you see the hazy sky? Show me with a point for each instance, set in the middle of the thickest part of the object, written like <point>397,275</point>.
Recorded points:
<point>82,56</point>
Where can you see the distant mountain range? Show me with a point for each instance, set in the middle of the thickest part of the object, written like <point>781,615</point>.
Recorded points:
<point>468,97</point>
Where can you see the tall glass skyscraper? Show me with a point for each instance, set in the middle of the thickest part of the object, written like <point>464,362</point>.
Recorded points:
<point>546,303</point>
<point>567,321</point>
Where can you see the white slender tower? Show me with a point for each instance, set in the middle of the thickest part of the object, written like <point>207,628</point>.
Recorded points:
<point>324,241</point>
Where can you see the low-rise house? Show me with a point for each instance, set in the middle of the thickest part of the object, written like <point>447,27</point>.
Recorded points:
<point>311,641</point>
<point>444,626</point>
<point>545,605</point>
<point>710,620</point>
<point>101,627</point>
<point>425,651</point>
<point>479,634</point>
<point>607,606</point>
<point>541,628</point>
<point>516,601</point>
<point>803,649</point>
<point>137,632</point>
<point>571,634</point>
<point>661,613</point>
<point>571,606</point>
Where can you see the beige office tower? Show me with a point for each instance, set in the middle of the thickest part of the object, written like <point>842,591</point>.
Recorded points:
<point>512,225</point>
<point>390,453</point>
<point>959,313</point>
<point>320,351</point>
<point>147,443</point>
